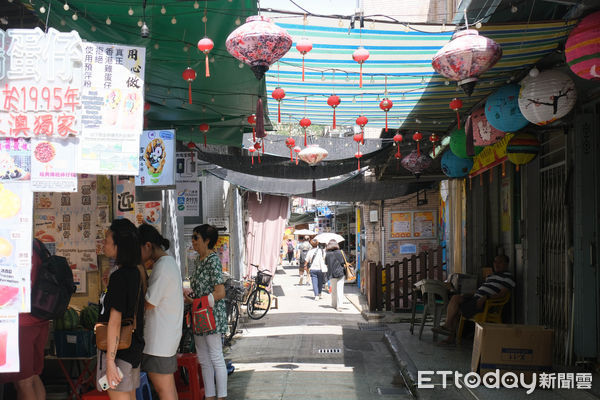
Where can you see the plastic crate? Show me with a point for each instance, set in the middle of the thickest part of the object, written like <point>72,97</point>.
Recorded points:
<point>75,343</point>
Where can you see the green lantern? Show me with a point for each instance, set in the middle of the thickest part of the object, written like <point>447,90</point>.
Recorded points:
<point>458,144</point>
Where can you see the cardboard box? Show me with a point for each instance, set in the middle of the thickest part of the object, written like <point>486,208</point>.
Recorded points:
<point>515,348</point>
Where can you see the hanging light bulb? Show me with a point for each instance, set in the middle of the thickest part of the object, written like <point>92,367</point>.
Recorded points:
<point>340,23</point>
<point>514,9</point>
<point>422,80</point>
<point>173,20</point>
<point>322,76</point>
<point>354,99</point>
<point>446,82</point>
<point>93,28</point>
<point>63,22</point>
<point>196,5</point>
<point>163,10</point>
<point>478,25</point>
<point>212,60</point>
<point>204,19</point>
<point>75,17</point>
<point>140,23</point>
<point>238,21</point>
<point>66,6</point>
<point>241,65</point>
<point>186,48</point>
<point>212,99</point>
<point>156,46</point>
<point>108,21</point>
<point>42,9</point>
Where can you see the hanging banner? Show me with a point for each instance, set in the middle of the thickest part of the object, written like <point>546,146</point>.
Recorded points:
<point>41,76</point>
<point>490,156</point>
<point>112,108</point>
<point>53,165</point>
<point>156,159</point>
<point>148,212</point>
<point>9,342</point>
<point>124,198</point>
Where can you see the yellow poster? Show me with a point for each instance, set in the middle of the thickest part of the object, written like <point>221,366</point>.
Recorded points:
<point>401,225</point>
<point>222,248</point>
<point>424,224</point>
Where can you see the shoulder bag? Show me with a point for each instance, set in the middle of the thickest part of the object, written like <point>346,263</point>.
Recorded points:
<point>349,269</point>
<point>203,319</point>
<point>127,328</point>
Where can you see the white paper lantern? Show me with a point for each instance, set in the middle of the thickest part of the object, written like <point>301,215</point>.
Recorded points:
<point>547,97</point>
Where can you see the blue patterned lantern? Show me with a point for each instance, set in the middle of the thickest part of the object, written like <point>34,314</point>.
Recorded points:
<point>502,109</point>
<point>455,167</point>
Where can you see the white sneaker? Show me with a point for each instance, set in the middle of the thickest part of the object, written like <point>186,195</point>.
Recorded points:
<point>316,297</point>
<point>321,295</point>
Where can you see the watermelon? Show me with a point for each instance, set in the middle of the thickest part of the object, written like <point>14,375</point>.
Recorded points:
<point>89,316</point>
<point>69,321</point>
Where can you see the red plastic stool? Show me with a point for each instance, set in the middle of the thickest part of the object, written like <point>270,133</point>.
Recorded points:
<point>195,389</point>
<point>94,395</point>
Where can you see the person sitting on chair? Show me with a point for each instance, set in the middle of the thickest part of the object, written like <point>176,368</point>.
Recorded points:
<point>495,286</point>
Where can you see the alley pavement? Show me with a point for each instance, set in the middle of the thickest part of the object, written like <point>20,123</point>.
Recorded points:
<point>307,350</point>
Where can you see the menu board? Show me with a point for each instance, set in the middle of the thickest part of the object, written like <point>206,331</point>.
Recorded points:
<point>424,224</point>
<point>401,226</point>
<point>112,108</point>
<point>156,159</point>
<point>53,165</point>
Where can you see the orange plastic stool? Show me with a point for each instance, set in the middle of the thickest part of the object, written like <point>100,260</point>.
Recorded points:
<point>94,395</point>
<point>195,389</point>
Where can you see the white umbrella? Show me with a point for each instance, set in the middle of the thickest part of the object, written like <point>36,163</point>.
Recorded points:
<point>304,232</point>
<point>327,236</point>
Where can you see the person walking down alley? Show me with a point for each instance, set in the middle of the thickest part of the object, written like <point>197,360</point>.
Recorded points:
<point>303,249</point>
<point>335,273</point>
<point>315,263</point>
<point>290,251</point>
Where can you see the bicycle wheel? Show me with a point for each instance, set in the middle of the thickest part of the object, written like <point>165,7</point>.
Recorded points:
<point>233,314</point>
<point>258,303</point>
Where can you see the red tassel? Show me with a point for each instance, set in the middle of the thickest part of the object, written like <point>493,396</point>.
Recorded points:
<point>358,164</point>
<point>304,137</point>
<point>205,140</point>
<point>291,155</point>
<point>190,92</point>
<point>207,69</point>
<point>302,67</point>
<point>279,111</point>
<point>333,121</point>
<point>458,118</point>
<point>386,129</point>
<point>433,150</point>
<point>253,134</point>
<point>296,158</point>
<point>258,153</point>
<point>360,82</point>
<point>398,151</point>
<point>252,160</point>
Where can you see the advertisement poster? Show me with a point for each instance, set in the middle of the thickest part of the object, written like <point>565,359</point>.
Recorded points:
<point>156,159</point>
<point>53,165</point>
<point>9,342</point>
<point>124,198</point>
<point>112,108</point>
<point>424,224</point>
<point>16,218</point>
<point>148,212</point>
<point>42,76</point>
<point>15,160</point>
<point>188,198</point>
<point>222,249</point>
<point>401,225</point>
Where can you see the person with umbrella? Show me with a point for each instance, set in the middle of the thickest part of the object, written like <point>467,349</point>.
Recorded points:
<point>334,259</point>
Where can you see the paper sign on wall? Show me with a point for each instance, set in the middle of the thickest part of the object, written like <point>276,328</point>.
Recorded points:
<point>156,159</point>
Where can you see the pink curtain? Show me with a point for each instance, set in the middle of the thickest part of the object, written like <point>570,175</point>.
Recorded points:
<point>265,231</point>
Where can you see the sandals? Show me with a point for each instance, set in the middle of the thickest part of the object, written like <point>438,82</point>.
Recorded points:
<point>442,331</point>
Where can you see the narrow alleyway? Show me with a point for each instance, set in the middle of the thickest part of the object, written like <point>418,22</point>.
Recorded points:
<point>307,350</point>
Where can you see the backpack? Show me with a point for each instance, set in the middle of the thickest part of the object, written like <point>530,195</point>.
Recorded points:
<point>53,287</point>
<point>290,246</point>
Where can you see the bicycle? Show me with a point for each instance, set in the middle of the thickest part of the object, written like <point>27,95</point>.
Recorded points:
<point>259,299</point>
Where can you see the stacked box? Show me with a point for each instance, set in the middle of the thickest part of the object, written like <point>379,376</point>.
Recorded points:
<point>80,343</point>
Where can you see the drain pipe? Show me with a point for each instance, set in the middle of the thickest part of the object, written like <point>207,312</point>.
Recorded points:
<point>382,237</point>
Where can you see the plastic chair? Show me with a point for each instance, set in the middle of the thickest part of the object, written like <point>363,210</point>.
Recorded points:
<point>435,299</point>
<point>143,391</point>
<point>194,388</point>
<point>492,312</point>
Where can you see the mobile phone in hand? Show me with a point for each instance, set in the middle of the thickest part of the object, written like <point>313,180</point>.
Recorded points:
<point>103,381</point>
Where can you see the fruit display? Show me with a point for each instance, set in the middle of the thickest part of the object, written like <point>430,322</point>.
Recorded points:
<point>89,316</point>
<point>69,321</point>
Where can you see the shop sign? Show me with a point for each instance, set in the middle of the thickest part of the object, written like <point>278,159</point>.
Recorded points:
<point>490,156</point>
<point>53,165</point>
<point>156,159</point>
<point>40,77</point>
<point>124,198</point>
<point>112,108</point>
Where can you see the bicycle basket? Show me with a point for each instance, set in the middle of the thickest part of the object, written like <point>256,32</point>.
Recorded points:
<point>262,278</point>
<point>238,294</point>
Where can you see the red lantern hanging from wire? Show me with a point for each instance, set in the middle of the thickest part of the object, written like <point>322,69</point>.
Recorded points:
<point>417,137</point>
<point>297,150</point>
<point>434,139</point>
<point>303,46</point>
<point>205,45</point>
<point>455,105</point>
<point>362,121</point>
<point>333,101</point>
<point>191,145</point>
<point>358,138</point>
<point>397,140</point>
<point>278,94</point>
<point>290,143</point>
<point>305,123</point>
<point>189,75</point>
<point>204,128</point>
<point>252,121</point>
<point>257,146</point>
<point>252,150</point>
<point>386,105</point>
<point>360,55</point>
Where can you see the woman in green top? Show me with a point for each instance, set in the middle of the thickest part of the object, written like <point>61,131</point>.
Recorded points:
<point>207,280</point>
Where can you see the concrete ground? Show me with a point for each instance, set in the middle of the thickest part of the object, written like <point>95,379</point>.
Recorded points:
<point>306,350</point>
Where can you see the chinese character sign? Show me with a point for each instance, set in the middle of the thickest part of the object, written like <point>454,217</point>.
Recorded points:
<point>40,80</point>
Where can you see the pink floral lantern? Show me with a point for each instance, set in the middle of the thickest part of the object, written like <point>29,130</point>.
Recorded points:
<point>416,163</point>
<point>360,55</point>
<point>311,155</point>
<point>582,50</point>
<point>465,57</point>
<point>297,150</point>
<point>258,43</point>
<point>484,134</point>
<point>205,45</point>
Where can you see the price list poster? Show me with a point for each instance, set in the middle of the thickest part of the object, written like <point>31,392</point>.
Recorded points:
<point>112,108</point>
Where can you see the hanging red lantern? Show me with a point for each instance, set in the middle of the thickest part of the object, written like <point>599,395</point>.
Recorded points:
<point>362,121</point>
<point>252,121</point>
<point>252,150</point>
<point>257,146</point>
<point>455,105</point>
<point>290,143</point>
<point>397,140</point>
<point>204,128</point>
<point>333,101</point>
<point>189,75</point>
<point>297,150</point>
<point>205,45</point>
<point>358,138</point>
<point>278,94</point>
<point>358,155</point>
<point>303,46</point>
<point>386,105</point>
<point>191,145</point>
<point>434,139</point>
<point>360,55</point>
<point>305,123</point>
<point>417,137</point>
